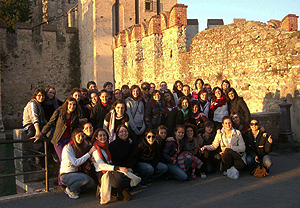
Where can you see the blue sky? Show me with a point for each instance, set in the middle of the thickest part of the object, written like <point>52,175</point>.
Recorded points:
<point>257,10</point>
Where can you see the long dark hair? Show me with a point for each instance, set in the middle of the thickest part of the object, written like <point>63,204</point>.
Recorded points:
<point>171,103</point>
<point>118,129</point>
<point>64,107</point>
<point>179,105</point>
<point>78,148</point>
<point>36,92</point>
<point>96,134</point>
<point>213,96</point>
<point>194,127</point>
<point>201,80</point>
<point>46,92</point>
<point>133,87</point>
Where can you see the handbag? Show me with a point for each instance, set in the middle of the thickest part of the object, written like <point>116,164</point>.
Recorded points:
<point>118,179</point>
<point>260,171</point>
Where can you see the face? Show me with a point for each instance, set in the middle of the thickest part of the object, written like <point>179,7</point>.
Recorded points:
<point>225,85</point>
<point>152,88</point>
<point>40,97</point>
<point>101,137</point>
<point>51,93</point>
<point>118,95</point>
<point>185,104</point>
<point>76,96</point>
<point>125,91</point>
<point>195,108</point>
<point>163,133</point>
<point>231,95</point>
<point>109,88</point>
<point>208,89</point>
<point>150,137</point>
<point>83,95</point>
<point>123,133</point>
<point>209,129</point>
<point>135,92</point>
<point>145,90</point>
<point>236,119</point>
<point>227,124</point>
<point>71,106</point>
<point>94,98</point>
<point>104,97</point>
<point>189,133</point>
<point>218,94</point>
<point>199,85</point>
<point>254,125</point>
<point>79,137</point>
<point>186,90</point>
<point>163,86</point>
<point>179,86</point>
<point>92,87</point>
<point>88,129</point>
<point>120,109</point>
<point>203,96</point>
<point>167,97</point>
<point>179,134</point>
<point>156,96</point>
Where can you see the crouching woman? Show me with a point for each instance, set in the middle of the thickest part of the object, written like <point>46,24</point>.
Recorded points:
<point>72,159</point>
<point>112,179</point>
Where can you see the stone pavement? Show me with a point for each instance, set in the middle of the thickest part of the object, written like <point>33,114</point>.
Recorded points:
<point>279,189</point>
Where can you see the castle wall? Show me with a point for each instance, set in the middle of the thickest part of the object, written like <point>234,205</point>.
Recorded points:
<point>35,61</point>
<point>262,63</point>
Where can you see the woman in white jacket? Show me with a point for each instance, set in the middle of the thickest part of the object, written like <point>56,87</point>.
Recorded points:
<point>232,146</point>
<point>72,159</point>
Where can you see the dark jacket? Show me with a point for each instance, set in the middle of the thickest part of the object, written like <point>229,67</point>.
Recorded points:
<point>98,114</point>
<point>59,123</point>
<point>154,115</point>
<point>145,153</point>
<point>238,105</point>
<point>170,151</point>
<point>120,151</point>
<point>259,147</point>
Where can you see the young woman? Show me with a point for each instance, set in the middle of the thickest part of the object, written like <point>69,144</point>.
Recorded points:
<point>125,91</point>
<point>103,164</point>
<point>33,114</point>
<point>64,120</point>
<point>145,159</point>
<point>162,132</point>
<point>208,88</point>
<point>145,87</point>
<point>117,95</point>
<point>84,99</point>
<point>169,101</point>
<point>232,146</point>
<point>198,118</point>
<point>238,122</point>
<point>154,111</point>
<point>225,86</point>
<point>76,94</point>
<point>51,102</point>
<point>177,90</point>
<point>170,153</point>
<point>72,158</point>
<point>88,130</point>
<point>258,146</point>
<point>100,110</point>
<point>115,118</point>
<point>135,112</point>
<point>237,104</point>
<point>152,88</point>
<point>204,104</point>
<point>218,107</point>
<point>108,86</point>
<point>198,86</point>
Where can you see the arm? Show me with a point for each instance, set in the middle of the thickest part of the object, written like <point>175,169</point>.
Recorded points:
<point>69,154</point>
<point>52,122</point>
<point>131,119</point>
<point>165,153</point>
<point>215,143</point>
<point>245,110</point>
<point>100,164</point>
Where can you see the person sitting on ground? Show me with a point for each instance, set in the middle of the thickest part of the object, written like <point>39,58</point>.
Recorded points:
<point>238,122</point>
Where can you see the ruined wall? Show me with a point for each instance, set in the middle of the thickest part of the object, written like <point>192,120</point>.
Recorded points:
<point>35,61</point>
<point>261,62</point>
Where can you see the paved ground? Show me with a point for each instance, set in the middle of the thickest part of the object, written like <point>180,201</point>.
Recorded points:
<point>280,189</point>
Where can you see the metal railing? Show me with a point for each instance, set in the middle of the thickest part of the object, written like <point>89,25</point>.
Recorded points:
<point>39,154</point>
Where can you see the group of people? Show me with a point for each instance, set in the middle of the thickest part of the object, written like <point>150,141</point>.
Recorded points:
<point>125,137</point>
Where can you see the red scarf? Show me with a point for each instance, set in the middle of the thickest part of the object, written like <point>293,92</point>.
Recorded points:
<point>104,104</point>
<point>103,146</point>
<point>77,154</point>
<point>218,103</point>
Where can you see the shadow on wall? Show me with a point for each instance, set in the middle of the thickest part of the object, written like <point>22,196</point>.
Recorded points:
<point>271,104</point>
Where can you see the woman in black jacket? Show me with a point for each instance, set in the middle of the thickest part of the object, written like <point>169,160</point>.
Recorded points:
<point>258,145</point>
<point>100,110</point>
<point>154,111</point>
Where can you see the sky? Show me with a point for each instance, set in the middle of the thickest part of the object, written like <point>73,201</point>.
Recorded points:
<point>257,10</point>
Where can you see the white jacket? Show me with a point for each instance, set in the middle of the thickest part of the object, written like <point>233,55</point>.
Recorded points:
<point>100,164</point>
<point>220,112</point>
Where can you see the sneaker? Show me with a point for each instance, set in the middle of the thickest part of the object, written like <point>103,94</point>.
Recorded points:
<point>203,175</point>
<point>71,194</point>
<point>225,173</point>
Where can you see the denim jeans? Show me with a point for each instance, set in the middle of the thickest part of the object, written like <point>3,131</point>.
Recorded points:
<point>144,170</point>
<point>176,172</point>
<point>76,181</point>
<point>266,160</point>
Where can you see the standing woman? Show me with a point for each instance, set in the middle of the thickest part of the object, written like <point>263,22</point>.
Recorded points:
<point>198,86</point>
<point>237,104</point>
<point>154,111</point>
<point>100,110</point>
<point>177,90</point>
<point>169,101</point>
<point>115,118</point>
<point>72,158</point>
<point>135,112</point>
<point>51,102</point>
<point>204,104</point>
<point>33,114</point>
<point>117,95</point>
<point>76,94</point>
<point>218,107</point>
<point>225,86</point>
<point>232,146</point>
<point>65,119</point>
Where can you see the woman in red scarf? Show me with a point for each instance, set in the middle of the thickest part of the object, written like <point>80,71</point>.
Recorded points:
<point>218,107</point>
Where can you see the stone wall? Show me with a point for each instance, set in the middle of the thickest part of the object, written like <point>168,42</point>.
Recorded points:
<point>35,61</point>
<point>262,63</point>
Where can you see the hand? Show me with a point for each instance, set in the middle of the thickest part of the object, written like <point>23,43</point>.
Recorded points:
<point>130,141</point>
<point>169,139</point>
<point>174,162</point>
<point>36,138</point>
<point>203,148</point>
<point>270,140</point>
<point>256,159</point>
<point>92,150</point>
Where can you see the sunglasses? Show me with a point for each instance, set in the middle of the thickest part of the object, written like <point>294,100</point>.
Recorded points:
<point>254,124</point>
<point>149,137</point>
<point>145,88</point>
<point>235,117</point>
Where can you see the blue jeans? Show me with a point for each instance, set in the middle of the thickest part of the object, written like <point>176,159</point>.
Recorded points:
<point>176,172</point>
<point>76,181</point>
<point>266,160</point>
<point>145,170</point>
